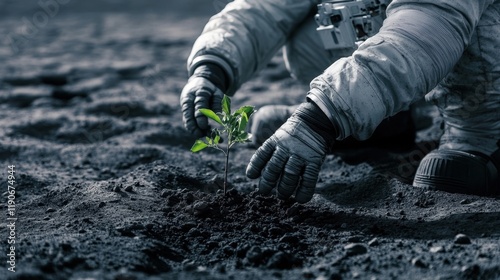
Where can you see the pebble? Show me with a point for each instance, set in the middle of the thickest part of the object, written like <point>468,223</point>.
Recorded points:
<point>50,210</point>
<point>462,239</point>
<point>200,206</point>
<point>437,249</point>
<point>373,242</point>
<point>189,198</point>
<point>116,189</point>
<point>289,238</point>
<point>164,193</point>
<point>292,211</point>
<point>471,271</point>
<point>187,226</point>
<point>129,188</point>
<point>355,249</point>
<point>241,250</point>
<point>102,204</point>
<point>189,265</point>
<point>465,201</point>
<point>418,262</point>
<point>128,68</point>
<point>281,260</point>
<point>253,254</point>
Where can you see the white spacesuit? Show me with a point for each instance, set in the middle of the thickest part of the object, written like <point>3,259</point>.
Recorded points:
<point>447,50</point>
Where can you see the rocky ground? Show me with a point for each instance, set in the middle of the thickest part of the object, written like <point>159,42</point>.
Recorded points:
<point>106,188</point>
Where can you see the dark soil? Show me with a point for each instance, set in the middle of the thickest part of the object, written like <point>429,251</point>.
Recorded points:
<point>106,187</point>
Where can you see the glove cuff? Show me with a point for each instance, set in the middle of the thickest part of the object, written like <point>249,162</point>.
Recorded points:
<point>312,116</point>
<point>213,73</point>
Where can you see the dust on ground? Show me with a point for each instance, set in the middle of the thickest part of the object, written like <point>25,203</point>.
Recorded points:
<point>106,187</point>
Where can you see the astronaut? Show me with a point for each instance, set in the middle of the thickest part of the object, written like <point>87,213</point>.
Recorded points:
<point>445,50</point>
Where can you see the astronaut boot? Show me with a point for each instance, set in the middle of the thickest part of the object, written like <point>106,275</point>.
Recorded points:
<point>465,162</point>
<point>395,133</point>
<point>468,158</point>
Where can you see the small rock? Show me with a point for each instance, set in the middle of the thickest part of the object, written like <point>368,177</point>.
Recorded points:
<point>129,188</point>
<point>102,204</point>
<point>289,238</point>
<point>462,239</point>
<point>165,193</point>
<point>200,206</point>
<point>50,210</point>
<point>307,273</point>
<point>355,249</point>
<point>194,232</point>
<point>217,181</point>
<point>275,231</point>
<point>116,189</point>
<point>437,249</point>
<point>242,250</point>
<point>189,265</point>
<point>128,69</point>
<point>253,255</point>
<point>465,201</point>
<point>189,198</point>
<point>232,192</point>
<point>228,250</point>
<point>418,262</point>
<point>282,260</point>
<point>471,271</point>
<point>292,211</point>
<point>373,242</point>
<point>187,226</point>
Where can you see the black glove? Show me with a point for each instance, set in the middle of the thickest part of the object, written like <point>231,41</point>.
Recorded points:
<point>204,89</point>
<point>291,159</point>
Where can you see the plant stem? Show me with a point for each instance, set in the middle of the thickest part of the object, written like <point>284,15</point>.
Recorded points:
<point>226,170</point>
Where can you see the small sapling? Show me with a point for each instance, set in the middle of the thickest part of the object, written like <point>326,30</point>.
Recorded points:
<point>233,128</point>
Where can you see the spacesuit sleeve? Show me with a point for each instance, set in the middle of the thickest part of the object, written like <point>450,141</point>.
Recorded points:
<point>418,44</point>
<point>244,36</point>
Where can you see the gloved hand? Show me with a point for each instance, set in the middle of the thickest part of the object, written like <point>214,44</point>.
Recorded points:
<point>267,120</point>
<point>204,89</point>
<point>291,159</point>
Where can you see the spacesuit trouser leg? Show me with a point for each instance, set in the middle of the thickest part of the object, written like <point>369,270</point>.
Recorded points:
<point>468,159</point>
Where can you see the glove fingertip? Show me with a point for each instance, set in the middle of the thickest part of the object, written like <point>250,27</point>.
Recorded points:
<point>265,187</point>
<point>252,172</point>
<point>303,198</point>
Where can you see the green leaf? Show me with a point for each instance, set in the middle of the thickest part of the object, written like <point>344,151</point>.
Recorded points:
<point>249,110</point>
<point>216,139</point>
<point>198,146</point>
<point>226,105</point>
<point>243,121</point>
<point>243,137</point>
<point>210,114</point>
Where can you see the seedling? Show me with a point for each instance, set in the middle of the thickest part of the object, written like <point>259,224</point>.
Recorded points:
<point>233,128</point>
